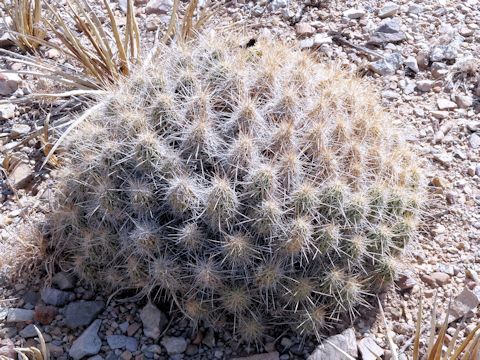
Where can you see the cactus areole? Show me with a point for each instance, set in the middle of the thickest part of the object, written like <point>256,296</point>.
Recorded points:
<point>254,186</point>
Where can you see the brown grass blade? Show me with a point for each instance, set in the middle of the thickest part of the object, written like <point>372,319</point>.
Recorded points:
<point>465,342</point>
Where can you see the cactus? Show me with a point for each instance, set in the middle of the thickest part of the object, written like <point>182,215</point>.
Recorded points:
<point>254,186</point>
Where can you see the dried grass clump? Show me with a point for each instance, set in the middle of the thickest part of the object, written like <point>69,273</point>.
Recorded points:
<point>254,186</point>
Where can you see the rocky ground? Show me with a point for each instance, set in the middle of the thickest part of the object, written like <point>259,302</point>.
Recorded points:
<point>423,56</point>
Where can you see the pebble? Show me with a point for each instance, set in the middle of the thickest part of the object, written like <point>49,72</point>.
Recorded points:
<point>354,13</point>
<point>474,141</point>
<point>274,355</point>
<point>304,30</point>
<point>369,349</point>
<point>389,32</point>
<point>45,314</point>
<point>159,7</point>
<point>7,111</point>
<point>388,65</point>
<point>425,85</point>
<point>122,341</point>
<point>64,281</point>
<point>445,104</point>
<point>28,331</point>
<point>174,345</point>
<point>388,10</point>
<point>19,130</point>
<point>411,63</point>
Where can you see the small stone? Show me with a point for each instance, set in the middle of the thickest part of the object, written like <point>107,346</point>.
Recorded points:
<point>132,329</point>
<point>411,63</point>
<point>390,95</point>
<point>122,341</point>
<point>159,7</point>
<point>388,32</point>
<point>274,355</point>
<point>82,313</point>
<point>306,43</point>
<point>21,175</point>
<point>405,281</point>
<point>52,54</point>
<point>55,297</point>
<point>126,355</point>
<point>45,314</point>
<point>154,321</point>
<point>345,341</point>
<point>423,60</point>
<point>443,52</point>
<point>387,66</point>
<point>440,115</point>
<point>424,85</point>
<point>19,315</point>
<point>7,349</point>
<point>7,111</point>
<point>445,104</point>
<point>440,278</point>
<point>88,343</point>
<point>474,141</point>
<point>209,339</point>
<point>304,30</point>
<point>321,39</point>
<point>19,130</point>
<point>464,304</point>
<point>286,342</point>
<point>463,101</point>
<point>388,10</point>
<point>439,182</point>
<point>354,13</point>
<point>55,350</point>
<point>28,331</point>
<point>369,349</point>
<point>9,83</point>
<point>444,158</point>
<point>278,4</point>
<point>174,345</point>
<point>64,281</point>
<point>439,70</point>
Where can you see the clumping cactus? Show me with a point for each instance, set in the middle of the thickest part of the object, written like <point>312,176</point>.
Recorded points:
<point>253,186</point>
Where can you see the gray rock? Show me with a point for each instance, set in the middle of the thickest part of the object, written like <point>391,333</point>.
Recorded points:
<point>19,130</point>
<point>159,7</point>
<point>82,313</point>
<point>88,343</point>
<point>122,341</point>
<point>388,32</point>
<point>411,63</point>
<point>19,315</point>
<point>96,357</point>
<point>439,70</point>
<point>369,349</point>
<point>64,281</point>
<point>307,43</point>
<point>56,297</point>
<point>9,83</point>
<point>174,345</point>
<point>278,4</point>
<point>388,65</point>
<point>354,13</point>
<point>21,175</point>
<point>345,341</point>
<point>7,111</point>
<point>153,320</point>
<point>209,339</point>
<point>464,304</point>
<point>28,332</point>
<point>390,9</point>
<point>443,52</point>
<point>474,141</point>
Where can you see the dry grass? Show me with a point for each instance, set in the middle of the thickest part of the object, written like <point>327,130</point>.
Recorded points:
<point>439,346</point>
<point>26,24</point>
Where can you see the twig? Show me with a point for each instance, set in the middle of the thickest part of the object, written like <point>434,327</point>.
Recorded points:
<point>340,40</point>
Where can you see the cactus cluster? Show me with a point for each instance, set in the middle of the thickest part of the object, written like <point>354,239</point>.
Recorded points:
<point>253,186</point>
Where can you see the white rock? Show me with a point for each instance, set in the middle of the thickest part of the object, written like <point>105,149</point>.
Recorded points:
<point>345,341</point>
<point>445,104</point>
<point>390,9</point>
<point>354,13</point>
<point>411,63</point>
<point>7,111</point>
<point>19,130</point>
<point>278,4</point>
<point>159,7</point>
<point>321,39</point>
<point>88,343</point>
<point>369,349</point>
